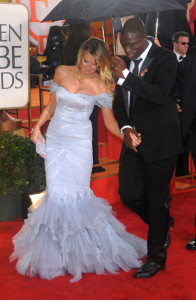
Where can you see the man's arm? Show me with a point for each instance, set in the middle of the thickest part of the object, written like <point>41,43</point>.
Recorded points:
<point>161,83</point>
<point>131,138</point>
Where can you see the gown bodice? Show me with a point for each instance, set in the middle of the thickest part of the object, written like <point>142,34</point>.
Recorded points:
<point>77,107</point>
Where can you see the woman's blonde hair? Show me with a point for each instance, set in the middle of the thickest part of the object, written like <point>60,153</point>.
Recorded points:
<point>99,50</point>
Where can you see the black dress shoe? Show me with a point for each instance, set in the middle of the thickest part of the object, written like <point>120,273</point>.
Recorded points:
<point>191,245</point>
<point>97,169</point>
<point>149,269</point>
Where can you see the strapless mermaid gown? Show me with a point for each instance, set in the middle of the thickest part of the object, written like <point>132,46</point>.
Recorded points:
<point>73,231</point>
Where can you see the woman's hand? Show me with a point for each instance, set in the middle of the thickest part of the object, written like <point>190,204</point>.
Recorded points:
<point>36,134</point>
<point>46,113</point>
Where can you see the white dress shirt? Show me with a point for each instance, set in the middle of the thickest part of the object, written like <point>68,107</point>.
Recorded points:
<point>179,56</point>
<point>126,72</point>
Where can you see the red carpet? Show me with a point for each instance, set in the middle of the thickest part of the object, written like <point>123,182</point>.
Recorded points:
<point>178,281</point>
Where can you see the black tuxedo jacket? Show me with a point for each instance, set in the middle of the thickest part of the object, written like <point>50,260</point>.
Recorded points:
<point>154,112</point>
<point>187,87</point>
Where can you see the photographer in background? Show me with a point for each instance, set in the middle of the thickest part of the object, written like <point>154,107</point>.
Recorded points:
<point>54,48</point>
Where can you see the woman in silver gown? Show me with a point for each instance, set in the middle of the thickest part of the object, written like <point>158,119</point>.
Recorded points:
<point>73,231</point>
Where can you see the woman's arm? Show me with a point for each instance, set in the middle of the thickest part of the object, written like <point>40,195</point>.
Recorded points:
<point>112,125</point>
<point>110,122</point>
<point>47,112</point>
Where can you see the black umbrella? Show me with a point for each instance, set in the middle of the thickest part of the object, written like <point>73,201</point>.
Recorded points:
<point>98,10</point>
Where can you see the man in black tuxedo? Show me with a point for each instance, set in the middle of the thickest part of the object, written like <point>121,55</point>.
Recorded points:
<point>187,87</point>
<point>187,84</point>
<point>181,44</point>
<point>143,106</point>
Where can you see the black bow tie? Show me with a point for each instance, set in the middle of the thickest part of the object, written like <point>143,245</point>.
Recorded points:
<point>181,58</point>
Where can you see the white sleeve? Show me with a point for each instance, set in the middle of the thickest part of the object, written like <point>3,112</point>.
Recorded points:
<point>126,126</point>
<point>125,74</point>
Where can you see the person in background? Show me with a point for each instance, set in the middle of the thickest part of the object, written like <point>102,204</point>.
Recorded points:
<point>77,34</point>
<point>187,87</point>
<point>54,49</point>
<point>144,107</point>
<point>181,44</point>
<point>34,69</point>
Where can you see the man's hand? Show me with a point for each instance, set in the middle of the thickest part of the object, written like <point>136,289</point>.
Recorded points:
<point>131,138</point>
<point>118,65</point>
<point>156,41</point>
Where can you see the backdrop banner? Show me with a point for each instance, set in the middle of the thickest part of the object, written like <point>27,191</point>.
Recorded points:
<point>14,55</point>
<point>38,9</point>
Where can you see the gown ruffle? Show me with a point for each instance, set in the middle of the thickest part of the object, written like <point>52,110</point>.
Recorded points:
<point>73,231</point>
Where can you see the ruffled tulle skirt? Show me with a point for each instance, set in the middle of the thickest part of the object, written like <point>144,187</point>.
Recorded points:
<point>75,233</point>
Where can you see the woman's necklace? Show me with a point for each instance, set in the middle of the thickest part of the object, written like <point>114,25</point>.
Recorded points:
<point>89,76</point>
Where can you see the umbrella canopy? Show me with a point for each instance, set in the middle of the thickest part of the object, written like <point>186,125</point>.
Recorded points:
<point>96,10</point>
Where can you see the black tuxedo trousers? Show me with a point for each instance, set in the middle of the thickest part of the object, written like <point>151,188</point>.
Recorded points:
<point>144,187</point>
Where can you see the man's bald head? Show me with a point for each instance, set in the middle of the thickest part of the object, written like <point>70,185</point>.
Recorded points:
<point>135,26</point>
<point>133,38</point>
